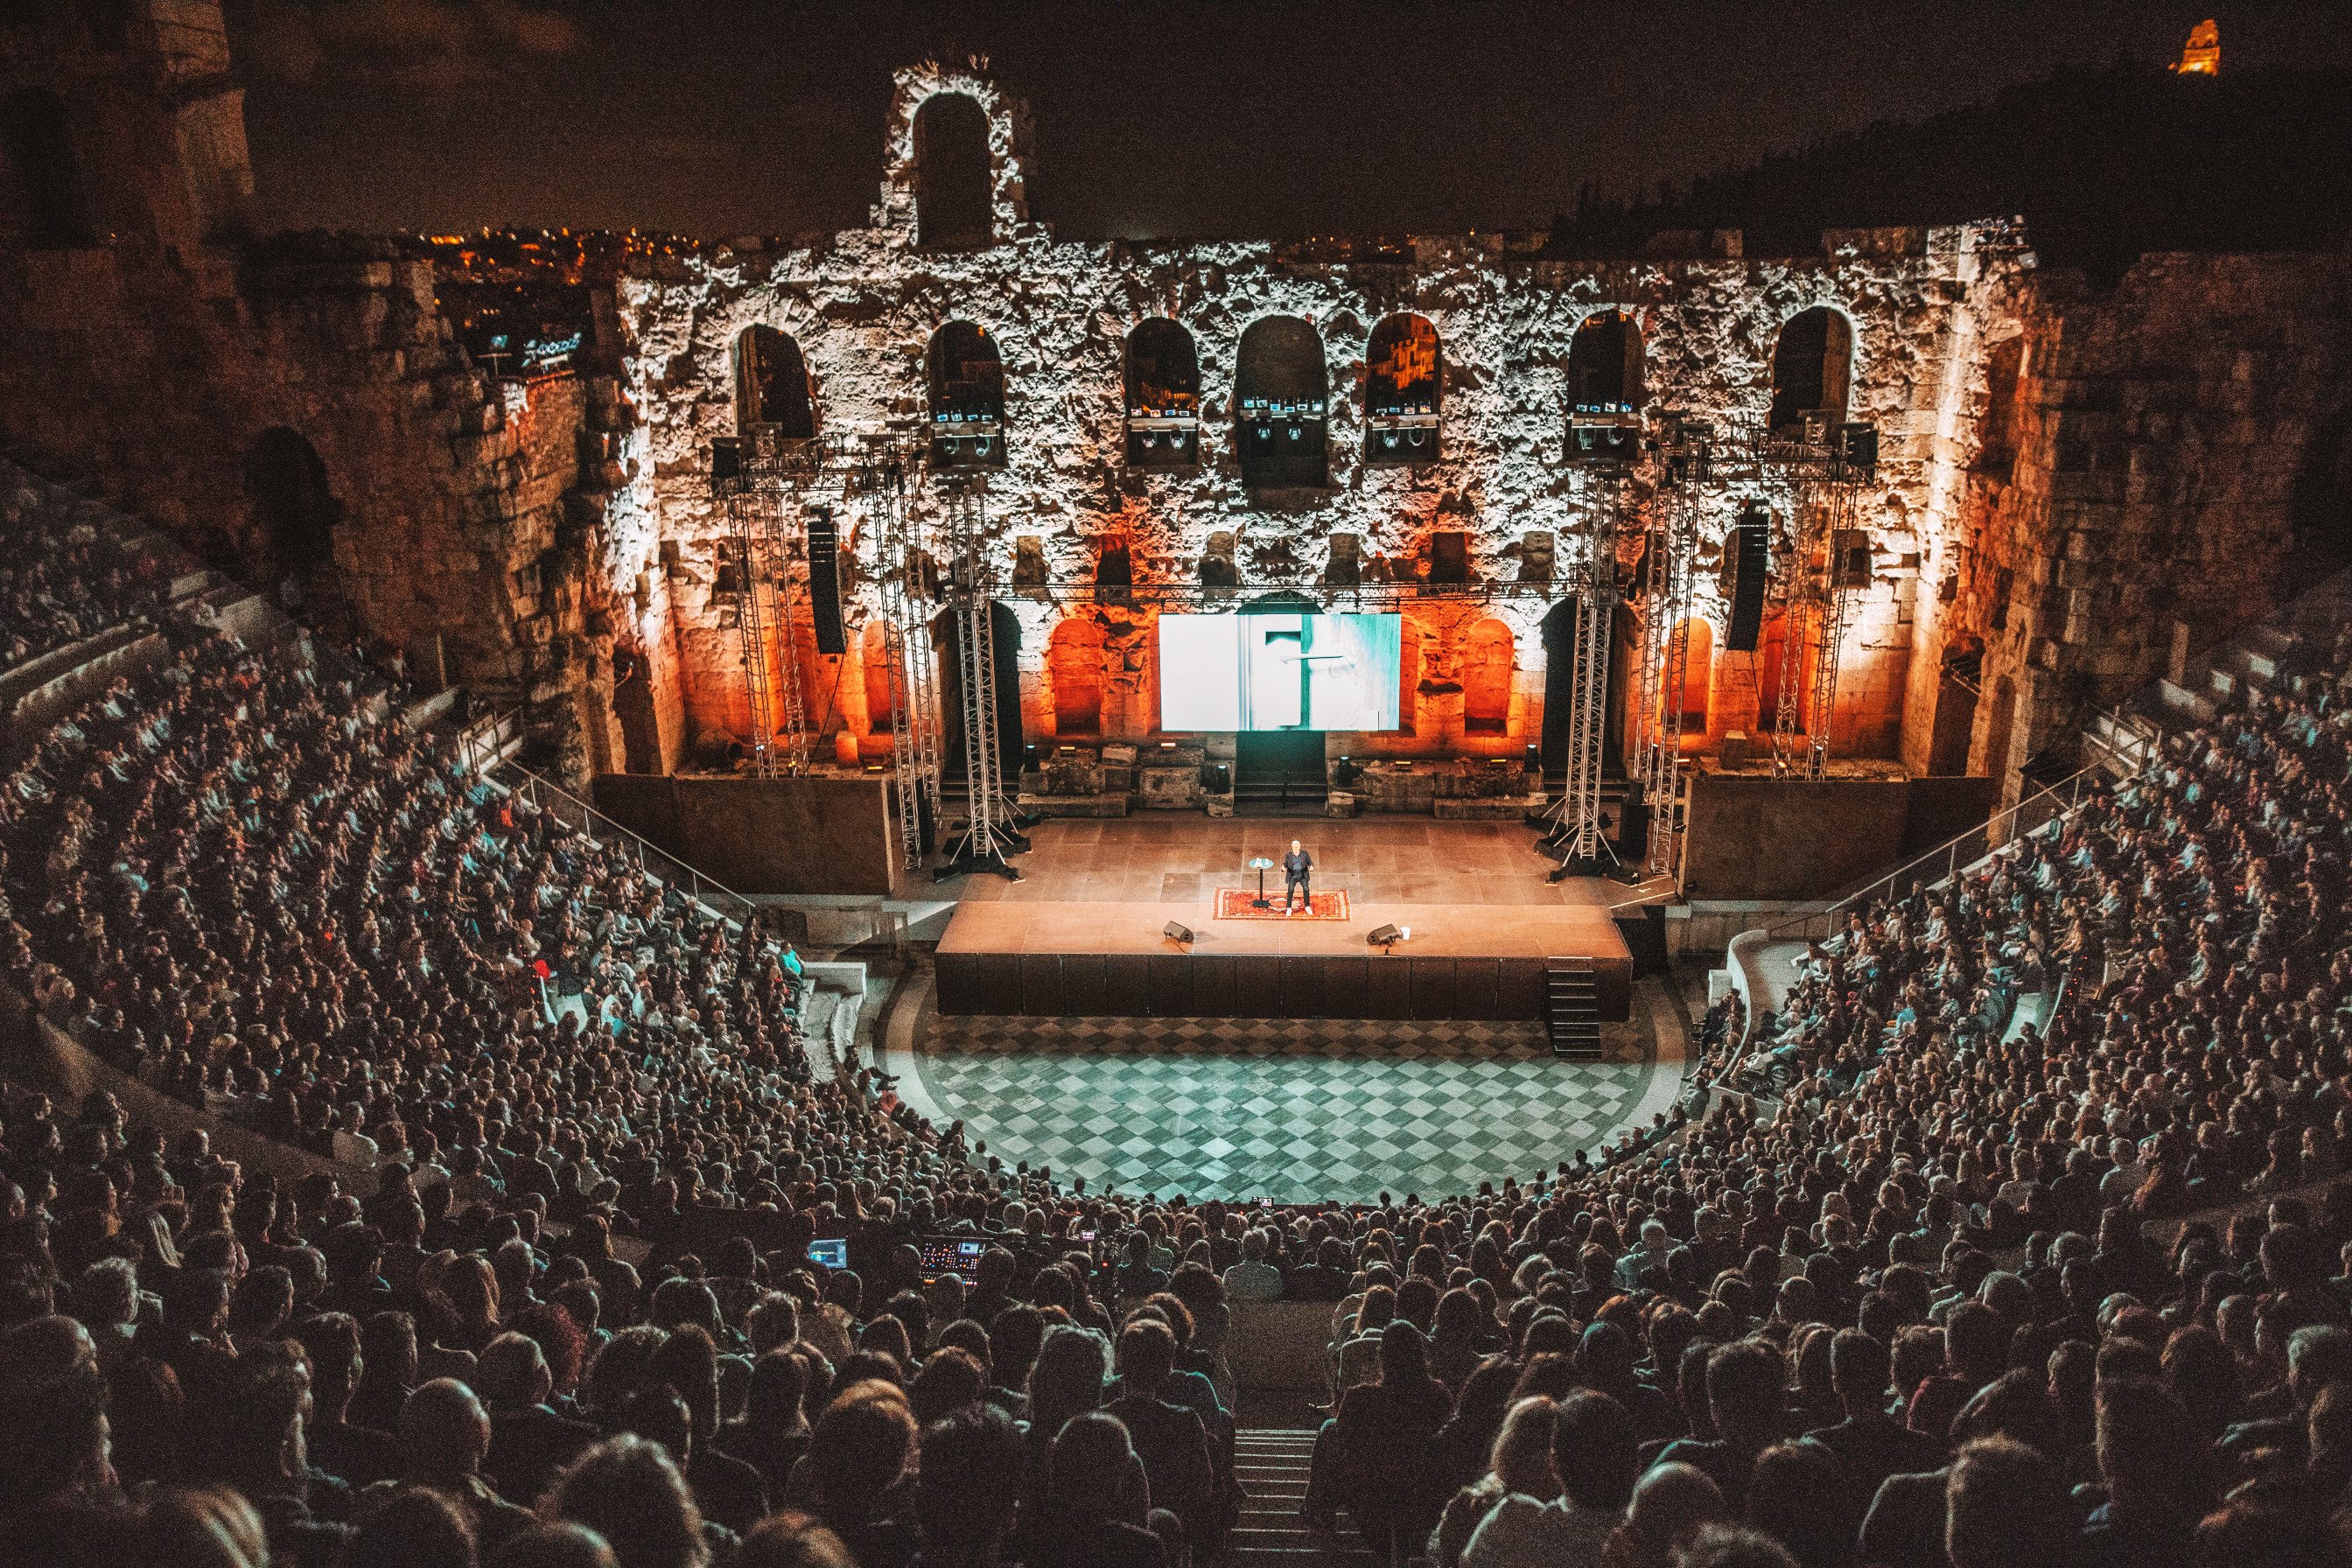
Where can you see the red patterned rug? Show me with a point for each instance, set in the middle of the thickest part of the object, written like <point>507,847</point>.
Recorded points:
<point>1233,904</point>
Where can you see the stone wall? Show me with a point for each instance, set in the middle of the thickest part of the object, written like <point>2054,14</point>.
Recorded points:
<point>154,358</point>
<point>862,307</point>
<point>2168,454</point>
<point>2063,475</point>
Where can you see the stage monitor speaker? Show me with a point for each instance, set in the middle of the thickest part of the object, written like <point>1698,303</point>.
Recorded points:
<point>1449,556</point>
<point>1751,542</point>
<point>1381,936</point>
<point>1177,930</point>
<point>1633,830</point>
<point>825,582</point>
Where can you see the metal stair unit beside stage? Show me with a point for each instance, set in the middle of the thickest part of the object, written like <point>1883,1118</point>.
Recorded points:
<point>1572,1009</point>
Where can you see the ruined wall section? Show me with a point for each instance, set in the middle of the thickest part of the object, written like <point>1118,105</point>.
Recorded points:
<point>2161,434</point>
<point>863,308</point>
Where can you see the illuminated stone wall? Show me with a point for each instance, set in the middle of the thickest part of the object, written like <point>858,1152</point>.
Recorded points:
<point>862,307</point>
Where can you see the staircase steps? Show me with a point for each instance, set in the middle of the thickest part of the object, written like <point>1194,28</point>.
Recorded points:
<point>1271,1464</point>
<point>1572,1009</point>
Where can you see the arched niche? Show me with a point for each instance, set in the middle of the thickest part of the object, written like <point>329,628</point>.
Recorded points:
<point>43,168</point>
<point>1164,396</point>
<point>772,389</point>
<point>967,398</point>
<point>1280,404</point>
<point>1405,372</point>
<point>1489,656</point>
<point>1074,661</point>
<point>874,665</point>
<point>1605,366</point>
<point>1812,367</point>
<point>1696,638</point>
<point>294,509</point>
<point>954,176</point>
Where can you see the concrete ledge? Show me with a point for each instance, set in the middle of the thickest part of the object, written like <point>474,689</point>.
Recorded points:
<point>1073,804</point>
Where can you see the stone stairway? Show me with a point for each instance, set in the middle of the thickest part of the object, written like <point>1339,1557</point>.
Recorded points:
<point>1271,1464</point>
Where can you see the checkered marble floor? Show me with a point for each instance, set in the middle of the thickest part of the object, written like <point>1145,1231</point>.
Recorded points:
<point>1289,1109</point>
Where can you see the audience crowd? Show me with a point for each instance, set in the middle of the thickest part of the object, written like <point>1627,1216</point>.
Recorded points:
<point>66,575</point>
<point>1912,1312</point>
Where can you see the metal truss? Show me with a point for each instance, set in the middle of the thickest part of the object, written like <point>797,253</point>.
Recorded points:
<point>990,831</point>
<point>906,638</point>
<point>760,543</point>
<point>1685,452</point>
<point>1575,818</point>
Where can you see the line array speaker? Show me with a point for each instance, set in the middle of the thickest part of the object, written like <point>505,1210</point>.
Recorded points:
<point>1751,540</point>
<point>825,582</point>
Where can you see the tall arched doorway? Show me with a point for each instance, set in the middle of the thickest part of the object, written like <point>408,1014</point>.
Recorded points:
<point>1404,374</point>
<point>1561,633</point>
<point>1073,664</point>
<point>1604,365</point>
<point>1489,658</point>
<point>947,637</point>
<point>966,376</point>
<point>38,137</point>
<point>292,508</point>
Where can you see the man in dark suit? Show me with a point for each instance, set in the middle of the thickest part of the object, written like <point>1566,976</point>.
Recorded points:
<point>1295,866</point>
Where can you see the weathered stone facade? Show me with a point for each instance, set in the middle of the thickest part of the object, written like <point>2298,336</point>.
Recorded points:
<point>2063,475</point>
<point>159,352</point>
<point>862,308</point>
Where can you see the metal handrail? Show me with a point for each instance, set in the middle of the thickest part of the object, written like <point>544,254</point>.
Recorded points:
<point>576,814</point>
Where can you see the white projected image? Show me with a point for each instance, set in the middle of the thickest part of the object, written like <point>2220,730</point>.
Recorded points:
<point>1280,671</point>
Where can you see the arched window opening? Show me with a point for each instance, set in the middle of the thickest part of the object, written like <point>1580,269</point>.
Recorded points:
<point>967,377</point>
<point>1604,390</point>
<point>1409,656</point>
<point>1812,366</point>
<point>1280,388</point>
<point>2000,732</point>
<point>1074,660</point>
<point>1604,365</point>
<point>1488,657</point>
<point>39,142</point>
<point>873,657</point>
<point>1403,373</point>
<point>294,511</point>
<point>1697,638</point>
<point>1997,434</point>
<point>772,389</point>
<point>1164,396</point>
<point>954,176</point>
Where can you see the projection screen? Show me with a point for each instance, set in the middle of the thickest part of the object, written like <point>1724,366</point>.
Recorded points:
<point>1280,671</point>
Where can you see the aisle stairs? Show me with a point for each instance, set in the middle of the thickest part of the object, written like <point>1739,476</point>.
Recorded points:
<point>1271,1464</point>
<point>1572,1009</point>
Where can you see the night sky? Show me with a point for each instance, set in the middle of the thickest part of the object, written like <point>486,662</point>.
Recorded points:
<point>1155,117</point>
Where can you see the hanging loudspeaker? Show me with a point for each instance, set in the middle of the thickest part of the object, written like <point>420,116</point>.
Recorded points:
<point>825,582</point>
<point>1751,537</point>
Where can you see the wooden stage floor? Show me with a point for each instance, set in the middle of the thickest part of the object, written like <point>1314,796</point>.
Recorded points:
<point>1083,932</point>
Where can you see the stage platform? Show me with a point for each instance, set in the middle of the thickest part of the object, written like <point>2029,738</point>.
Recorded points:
<point>1082,934</point>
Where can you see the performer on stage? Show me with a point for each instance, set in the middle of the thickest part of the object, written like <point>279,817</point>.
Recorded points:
<point>1294,869</point>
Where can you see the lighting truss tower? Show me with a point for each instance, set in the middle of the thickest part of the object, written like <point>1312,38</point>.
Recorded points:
<point>760,484</point>
<point>1685,453</point>
<point>879,479</point>
<point>990,832</point>
<point>1575,832</point>
<point>1827,466</point>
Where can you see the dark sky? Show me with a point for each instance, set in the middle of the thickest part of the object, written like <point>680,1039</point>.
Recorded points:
<point>1154,117</point>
